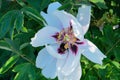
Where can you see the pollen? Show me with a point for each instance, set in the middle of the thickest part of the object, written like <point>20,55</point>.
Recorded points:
<point>74,39</point>
<point>66,46</point>
<point>67,40</point>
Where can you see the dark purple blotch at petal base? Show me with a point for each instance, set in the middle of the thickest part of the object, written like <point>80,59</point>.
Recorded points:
<point>79,43</point>
<point>56,35</point>
<point>74,48</point>
<point>61,49</point>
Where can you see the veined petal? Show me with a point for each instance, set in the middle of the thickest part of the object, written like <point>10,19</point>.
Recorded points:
<point>53,6</point>
<point>52,20</point>
<point>44,36</point>
<point>63,17</point>
<point>75,75</point>
<point>93,53</point>
<point>50,71</point>
<point>78,32</point>
<point>67,19</point>
<point>83,17</point>
<point>53,50</point>
<point>47,63</point>
<point>43,58</point>
<point>68,65</point>
<point>82,47</point>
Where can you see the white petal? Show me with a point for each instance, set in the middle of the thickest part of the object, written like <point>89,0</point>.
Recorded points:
<point>64,17</point>
<point>47,63</point>
<point>75,75</point>
<point>52,20</point>
<point>68,65</point>
<point>93,53</point>
<point>78,32</point>
<point>53,50</point>
<point>67,19</point>
<point>42,58</point>
<point>83,17</point>
<point>44,36</point>
<point>53,6</point>
<point>50,71</point>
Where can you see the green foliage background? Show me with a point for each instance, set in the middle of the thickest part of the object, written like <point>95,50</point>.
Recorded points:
<point>20,20</point>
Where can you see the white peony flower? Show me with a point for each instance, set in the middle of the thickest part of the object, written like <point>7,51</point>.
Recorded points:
<point>63,38</point>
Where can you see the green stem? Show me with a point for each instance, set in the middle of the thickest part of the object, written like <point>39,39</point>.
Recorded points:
<point>23,56</point>
<point>113,46</point>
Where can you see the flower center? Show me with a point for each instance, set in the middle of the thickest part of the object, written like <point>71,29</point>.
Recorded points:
<point>66,36</point>
<point>67,40</point>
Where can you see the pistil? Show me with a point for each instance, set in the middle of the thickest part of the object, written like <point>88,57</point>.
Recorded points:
<point>67,40</point>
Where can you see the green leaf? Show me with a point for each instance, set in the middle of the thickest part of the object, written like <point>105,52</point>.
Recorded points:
<point>14,47</point>
<point>97,66</point>
<point>6,22</point>
<point>19,21</point>
<point>24,29</point>
<point>44,4</point>
<point>9,21</point>
<point>0,3</point>
<point>28,51</point>
<point>92,78</point>
<point>39,5</point>
<point>24,45</point>
<point>108,37</point>
<point>25,37</point>
<point>114,73</point>
<point>116,64</point>
<point>33,13</point>
<point>9,64</point>
<point>116,51</point>
<point>21,3</point>
<point>4,56</point>
<point>4,45</point>
<point>99,3</point>
<point>65,6</point>
<point>25,71</point>
<point>35,4</point>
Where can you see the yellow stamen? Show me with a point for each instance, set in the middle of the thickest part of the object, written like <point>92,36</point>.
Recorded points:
<point>66,38</point>
<point>66,46</point>
<point>74,39</point>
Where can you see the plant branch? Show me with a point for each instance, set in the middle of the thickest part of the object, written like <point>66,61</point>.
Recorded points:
<point>23,56</point>
<point>113,46</point>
